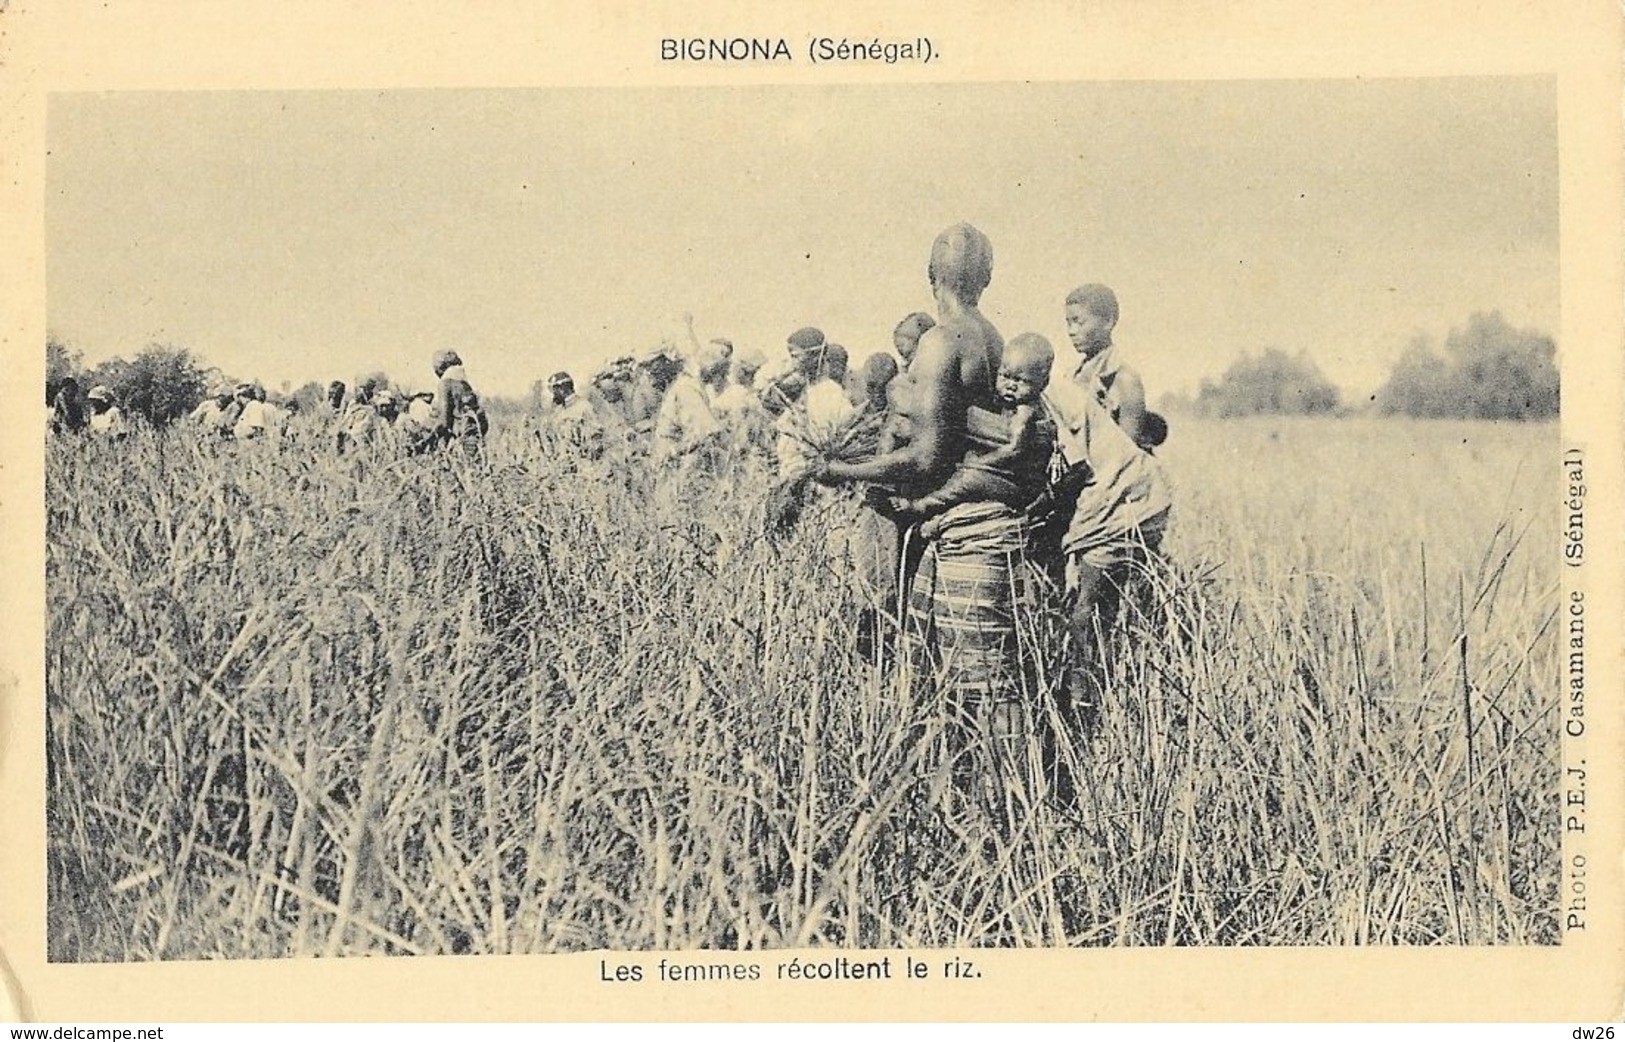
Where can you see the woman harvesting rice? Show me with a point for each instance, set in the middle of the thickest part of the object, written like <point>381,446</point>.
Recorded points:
<point>963,601</point>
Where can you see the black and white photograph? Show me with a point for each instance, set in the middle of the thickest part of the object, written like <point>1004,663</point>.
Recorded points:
<point>479,525</point>
<point>720,527</point>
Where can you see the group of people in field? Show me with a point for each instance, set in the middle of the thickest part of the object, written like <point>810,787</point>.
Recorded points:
<point>369,415</point>
<point>449,416</point>
<point>997,465</point>
<point>984,463</point>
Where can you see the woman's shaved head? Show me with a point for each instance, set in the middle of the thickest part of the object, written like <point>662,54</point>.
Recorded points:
<point>961,263</point>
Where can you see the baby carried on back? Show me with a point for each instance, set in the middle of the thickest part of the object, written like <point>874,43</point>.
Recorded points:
<point>1009,450</point>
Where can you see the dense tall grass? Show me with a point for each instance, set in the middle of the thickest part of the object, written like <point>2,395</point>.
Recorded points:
<point>307,705</point>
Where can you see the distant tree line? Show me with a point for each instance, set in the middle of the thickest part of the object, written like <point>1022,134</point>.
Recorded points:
<point>1488,370</point>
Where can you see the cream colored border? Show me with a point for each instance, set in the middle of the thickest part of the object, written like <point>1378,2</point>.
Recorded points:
<point>50,45</point>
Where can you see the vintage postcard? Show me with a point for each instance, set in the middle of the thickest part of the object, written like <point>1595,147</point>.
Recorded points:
<point>874,513</point>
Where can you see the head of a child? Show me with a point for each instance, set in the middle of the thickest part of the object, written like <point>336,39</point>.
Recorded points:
<point>906,337</point>
<point>1091,315</point>
<point>1024,369</point>
<point>1153,431</point>
<point>835,363</point>
<point>879,369</point>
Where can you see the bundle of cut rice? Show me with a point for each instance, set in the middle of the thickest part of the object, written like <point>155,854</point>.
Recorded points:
<point>825,429</point>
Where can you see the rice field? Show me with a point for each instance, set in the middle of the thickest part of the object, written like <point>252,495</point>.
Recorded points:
<point>300,704</point>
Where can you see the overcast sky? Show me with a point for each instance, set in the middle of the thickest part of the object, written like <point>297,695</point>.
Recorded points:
<point>318,235</point>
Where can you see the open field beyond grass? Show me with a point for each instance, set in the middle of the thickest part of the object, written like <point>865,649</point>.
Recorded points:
<point>299,704</point>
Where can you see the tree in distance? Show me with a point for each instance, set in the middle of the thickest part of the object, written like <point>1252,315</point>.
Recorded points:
<point>1271,384</point>
<point>160,385</point>
<point>1489,371</point>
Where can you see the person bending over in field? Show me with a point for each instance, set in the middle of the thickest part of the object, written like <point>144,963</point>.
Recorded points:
<point>1009,448</point>
<point>458,416</point>
<point>609,386</point>
<point>609,396</point>
<point>415,423</point>
<point>215,415</point>
<point>643,397</point>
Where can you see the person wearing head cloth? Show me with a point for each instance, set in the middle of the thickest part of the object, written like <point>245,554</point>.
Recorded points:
<point>684,427</point>
<point>782,380</point>
<point>809,408</point>
<point>561,394</point>
<point>388,406</point>
<point>1118,521</point>
<point>961,627</point>
<point>459,418</point>
<point>608,396</point>
<point>106,418</point>
<point>737,408</point>
<point>738,394</point>
<point>610,388</point>
<point>716,351</point>
<point>712,361</point>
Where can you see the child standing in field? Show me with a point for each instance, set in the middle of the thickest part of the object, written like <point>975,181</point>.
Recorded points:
<point>1010,452</point>
<point>1118,520</point>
